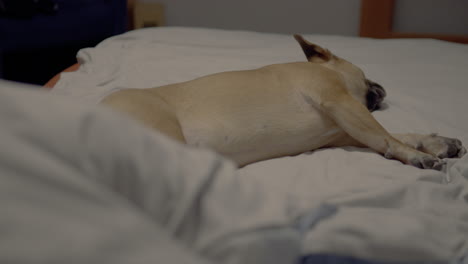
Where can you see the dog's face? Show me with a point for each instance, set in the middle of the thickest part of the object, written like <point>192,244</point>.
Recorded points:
<point>369,93</point>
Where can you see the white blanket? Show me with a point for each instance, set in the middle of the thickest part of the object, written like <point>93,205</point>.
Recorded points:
<point>346,201</point>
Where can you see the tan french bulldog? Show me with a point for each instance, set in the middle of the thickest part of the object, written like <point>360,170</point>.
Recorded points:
<point>281,109</point>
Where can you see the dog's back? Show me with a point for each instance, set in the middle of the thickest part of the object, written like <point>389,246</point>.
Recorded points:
<point>245,115</point>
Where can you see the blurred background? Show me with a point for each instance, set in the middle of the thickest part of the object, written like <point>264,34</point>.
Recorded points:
<point>39,38</point>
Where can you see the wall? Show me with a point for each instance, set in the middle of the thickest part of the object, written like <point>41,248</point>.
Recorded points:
<point>339,17</point>
<point>278,16</point>
<point>431,16</point>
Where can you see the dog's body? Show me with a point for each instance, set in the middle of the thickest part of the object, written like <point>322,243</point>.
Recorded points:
<point>278,110</point>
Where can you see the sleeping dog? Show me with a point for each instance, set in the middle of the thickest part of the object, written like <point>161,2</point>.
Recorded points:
<point>281,109</point>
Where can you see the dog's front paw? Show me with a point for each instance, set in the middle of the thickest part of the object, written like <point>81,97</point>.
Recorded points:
<point>427,162</point>
<point>442,147</point>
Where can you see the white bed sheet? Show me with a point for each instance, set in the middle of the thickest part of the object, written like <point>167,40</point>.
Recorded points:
<point>374,208</point>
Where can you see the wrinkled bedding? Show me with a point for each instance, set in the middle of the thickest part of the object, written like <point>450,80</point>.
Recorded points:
<point>341,201</point>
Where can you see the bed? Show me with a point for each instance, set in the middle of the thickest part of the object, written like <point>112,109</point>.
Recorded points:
<point>338,205</point>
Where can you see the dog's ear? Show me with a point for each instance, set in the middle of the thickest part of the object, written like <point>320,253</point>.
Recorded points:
<point>313,52</point>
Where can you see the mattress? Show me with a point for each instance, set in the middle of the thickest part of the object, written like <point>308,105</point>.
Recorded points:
<point>341,202</point>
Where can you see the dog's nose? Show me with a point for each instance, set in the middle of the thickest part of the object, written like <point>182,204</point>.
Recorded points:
<point>375,95</point>
<point>377,87</point>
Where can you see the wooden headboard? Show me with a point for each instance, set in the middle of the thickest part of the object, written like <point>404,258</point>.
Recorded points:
<point>377,22</point>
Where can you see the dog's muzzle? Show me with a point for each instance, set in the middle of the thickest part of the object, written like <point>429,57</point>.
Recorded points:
<point>375,95</point>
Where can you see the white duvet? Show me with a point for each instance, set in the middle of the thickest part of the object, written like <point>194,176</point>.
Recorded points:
<point>343,201</point>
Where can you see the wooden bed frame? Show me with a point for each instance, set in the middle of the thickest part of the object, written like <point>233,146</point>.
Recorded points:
<point>376,22</point>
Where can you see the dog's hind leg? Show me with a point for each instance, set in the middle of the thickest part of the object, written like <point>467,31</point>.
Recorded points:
<point>151,111</point>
